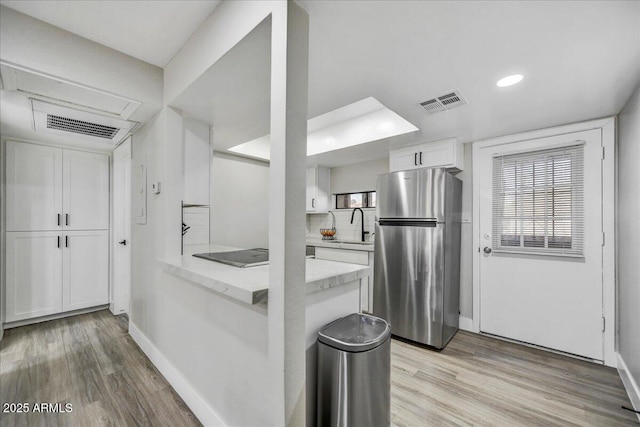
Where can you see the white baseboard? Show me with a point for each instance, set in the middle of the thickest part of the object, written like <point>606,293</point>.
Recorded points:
<point>24,322</point>
<point>465,323</point>
<point>630,384</point>
<point>185,390</point>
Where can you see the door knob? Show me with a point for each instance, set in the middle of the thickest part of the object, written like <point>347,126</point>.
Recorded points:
<point>487,250</point>
<point>123,242</point>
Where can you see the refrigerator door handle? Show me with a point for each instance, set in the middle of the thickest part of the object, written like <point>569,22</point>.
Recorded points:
<point>407,222</point>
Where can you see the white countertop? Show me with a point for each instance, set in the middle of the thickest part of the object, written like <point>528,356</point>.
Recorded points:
<point>251,284</point>
<point>340,244</point>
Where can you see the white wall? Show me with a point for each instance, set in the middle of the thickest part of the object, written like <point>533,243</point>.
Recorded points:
<point>197,161</point>
<point>239,202</point>
<point>357,177</point>
<point>628,238</point>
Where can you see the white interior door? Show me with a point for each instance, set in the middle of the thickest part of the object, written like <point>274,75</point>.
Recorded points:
<point>121,228</point>
<point>552,300</point>
<point>86,190</point>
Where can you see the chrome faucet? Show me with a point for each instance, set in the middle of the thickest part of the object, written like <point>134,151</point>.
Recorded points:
<point>362,232</point>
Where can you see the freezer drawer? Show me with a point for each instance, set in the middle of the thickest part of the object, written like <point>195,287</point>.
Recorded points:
<point>409,280</point>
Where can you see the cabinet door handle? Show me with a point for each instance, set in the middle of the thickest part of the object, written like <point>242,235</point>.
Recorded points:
<point>58,220</point>
<point>66,219</point>
<point>421,157</point>
<point>58,241</point>
<point>313,203</point>
<point>415,159</point>
<point>66,241</point>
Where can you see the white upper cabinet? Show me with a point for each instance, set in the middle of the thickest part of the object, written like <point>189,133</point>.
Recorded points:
<point>52,188</point>
<point>404,159</point>
<point>34,187</point>
<point>197,161</point>
<point>448,154</point>
<point>86,190</point>
<point>318,191</point>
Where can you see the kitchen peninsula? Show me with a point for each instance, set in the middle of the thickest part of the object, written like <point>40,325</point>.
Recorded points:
<point>218,300</point>
<point>250,285</point>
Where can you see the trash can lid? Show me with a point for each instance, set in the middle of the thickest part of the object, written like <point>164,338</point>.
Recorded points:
<point>355,333</point>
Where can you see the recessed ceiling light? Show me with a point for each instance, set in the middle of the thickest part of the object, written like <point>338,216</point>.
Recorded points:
<point>509,80</point>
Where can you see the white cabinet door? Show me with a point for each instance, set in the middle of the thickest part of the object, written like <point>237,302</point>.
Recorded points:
<point>86,190</point>
<point>85,269</point>
<point>447,154</point>
<point>404,159</point>
<point>312,188</point>
<point>318,189</point>
<point>353,257</point>
<point>34,187</point>
<point>33,274</point>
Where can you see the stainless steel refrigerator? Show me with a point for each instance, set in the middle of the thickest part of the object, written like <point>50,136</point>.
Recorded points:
<point>417,254</point>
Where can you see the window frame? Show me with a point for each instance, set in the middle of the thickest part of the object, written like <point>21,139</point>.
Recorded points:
<point>532,159</point>
<point>366,199</point>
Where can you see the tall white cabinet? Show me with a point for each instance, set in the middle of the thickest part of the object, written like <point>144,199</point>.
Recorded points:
<point>57,223</point>
<point>318,191</point>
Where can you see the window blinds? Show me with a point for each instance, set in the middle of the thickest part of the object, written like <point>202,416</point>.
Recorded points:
<point>538,201</point>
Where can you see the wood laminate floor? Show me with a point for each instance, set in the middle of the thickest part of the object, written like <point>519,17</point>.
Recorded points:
<point>478,380</point>
<point>90,362</point>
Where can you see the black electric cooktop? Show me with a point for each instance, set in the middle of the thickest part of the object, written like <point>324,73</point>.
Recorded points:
<point>244,257</point>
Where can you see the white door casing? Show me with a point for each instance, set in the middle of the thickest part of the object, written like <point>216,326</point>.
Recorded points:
<point>553,302</point>
<point>121,277</point>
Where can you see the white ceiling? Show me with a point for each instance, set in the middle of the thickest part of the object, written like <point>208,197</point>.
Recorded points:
<point>153,31</point>
<point>580,60</point>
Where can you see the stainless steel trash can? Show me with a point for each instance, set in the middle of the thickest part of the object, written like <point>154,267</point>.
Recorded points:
<point>354,366</point>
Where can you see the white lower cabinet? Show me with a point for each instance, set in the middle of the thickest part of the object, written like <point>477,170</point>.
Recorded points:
<point>85,271</point>
<point>353,257</point>
<point>49,272</point>
<point>33,274</point>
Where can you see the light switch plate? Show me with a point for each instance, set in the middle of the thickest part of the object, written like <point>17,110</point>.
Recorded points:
<point>155,187</point>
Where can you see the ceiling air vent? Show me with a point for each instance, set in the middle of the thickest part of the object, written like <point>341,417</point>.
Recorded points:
<point>61,120</point>
<point>445,102</point>
<point>79,126</point>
